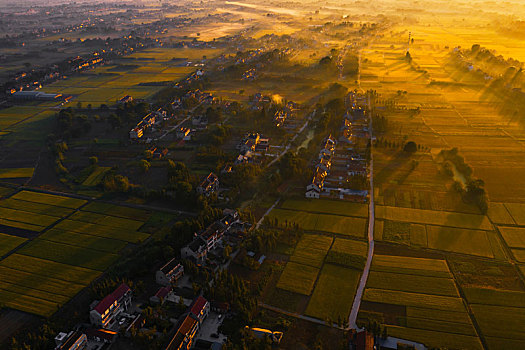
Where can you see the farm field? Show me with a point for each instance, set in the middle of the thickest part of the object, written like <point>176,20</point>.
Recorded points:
<point>9,242</point>
<point>96,176</point>
<point>298,278</point>
<point>327,207</point>
<point>11,173</point>
<point>46,272</point>
<point>51,199</point>
<point>343,225</point>
<point>513,236</point>
<point>348,253</point>
<point>334,293</point>
<point>311,250</point>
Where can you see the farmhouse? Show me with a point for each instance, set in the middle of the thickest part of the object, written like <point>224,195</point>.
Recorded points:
<point>161,295</point>
<point>169,273</point>
<point>188,327</point>
<point>106,311</point>
<point>196,250</point>
<point>125,99</point>
<point>182,132</point>
<point>209,185</point>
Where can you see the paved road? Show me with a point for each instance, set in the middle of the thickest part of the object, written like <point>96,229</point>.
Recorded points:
<point>259,223</point>
<point>371,218</point>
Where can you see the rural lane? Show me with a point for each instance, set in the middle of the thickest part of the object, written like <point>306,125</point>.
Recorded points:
<point>371,219</point>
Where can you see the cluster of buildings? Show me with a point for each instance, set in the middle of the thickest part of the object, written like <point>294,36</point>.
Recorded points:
<point>322,168</point>
<point>209,185</point>
<point>250,74</point>
<point>147,122</point>
<point>340,168</point>
<point>189,324</point>
<point>230,228</point>
<point>287,112</point>
<point>251,144</point>
<point>38,96</point>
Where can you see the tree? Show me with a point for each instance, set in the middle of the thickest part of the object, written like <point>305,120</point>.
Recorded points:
<point>144,165</point>
<point>410,147</point>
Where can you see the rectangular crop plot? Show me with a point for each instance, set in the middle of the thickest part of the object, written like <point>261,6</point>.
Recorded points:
<point>96,176</point>
<point>498,214</point>
<point>11,173</point>
<point>28,304</point>
<point>298,278</point>
<point>433,217</point>
<point>39,282</point>
<point>102,231</point>
<point>410,265</point>
<point>498,321</point>
<point>84,240</point>
<point>96,218</point>
<point>311,250</point>
<point>412,283</point>
<point>115,210</point>
<point>334,293</point>
<point>443,326</point>
<point>436,339</point>
<point>8,243</point>
<point>34,207</point>
<point>70,255</point>
<point>517,210</point>
<point>21,225</point>
<point>52,199</point>
<point>474,242</point>
<point>49,268</point>
<point>513,236</point>
<point>27,217</point>
<point>495,297</point>
<point>325,206</point>
<point>433,314</point>
<point>347,252</point>
<point>414,299</point>
<point>306,221</point>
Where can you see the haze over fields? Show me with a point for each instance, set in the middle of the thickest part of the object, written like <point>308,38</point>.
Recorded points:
<point>257,175</point>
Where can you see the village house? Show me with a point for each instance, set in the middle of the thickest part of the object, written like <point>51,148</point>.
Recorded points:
<point>183,132</point>
<point>189,325</point>
<point>196,250</point>
<point>209,185</point>
<point>107,310</point>
<point>71,341</point>
<point>161,295</point>
<point>170,273</point>
<point>125,99</point>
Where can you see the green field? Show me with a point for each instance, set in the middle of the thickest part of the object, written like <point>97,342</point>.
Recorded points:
<point>115,210</point>
<point>433,314</point>
<point>474,242</point>
<point>443,326</point>
<point>414,299</point>
<point>347,252</point>
<point>21,225</point>
<point>8,243</point>
<point>311,250</point>
<point>320,222</point>
<point>412,283</point>
<point>433,217</point>
<point>102,231</point>
<point>96,218</point>
<point>298,278</point>
<point>410,265</point>
<point>51,199</point>
<point>83,240</point>
<point>8,173</point>
<point>334,293</point>
<point>498,321</point>
<point>27,217</point>
<point>325,206</point>
<point>494,297</point>
<point>37,208</point>
<point>49,268</point>
<point>436,339</point>
<point>68,254</point>
<point>96,176</point>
